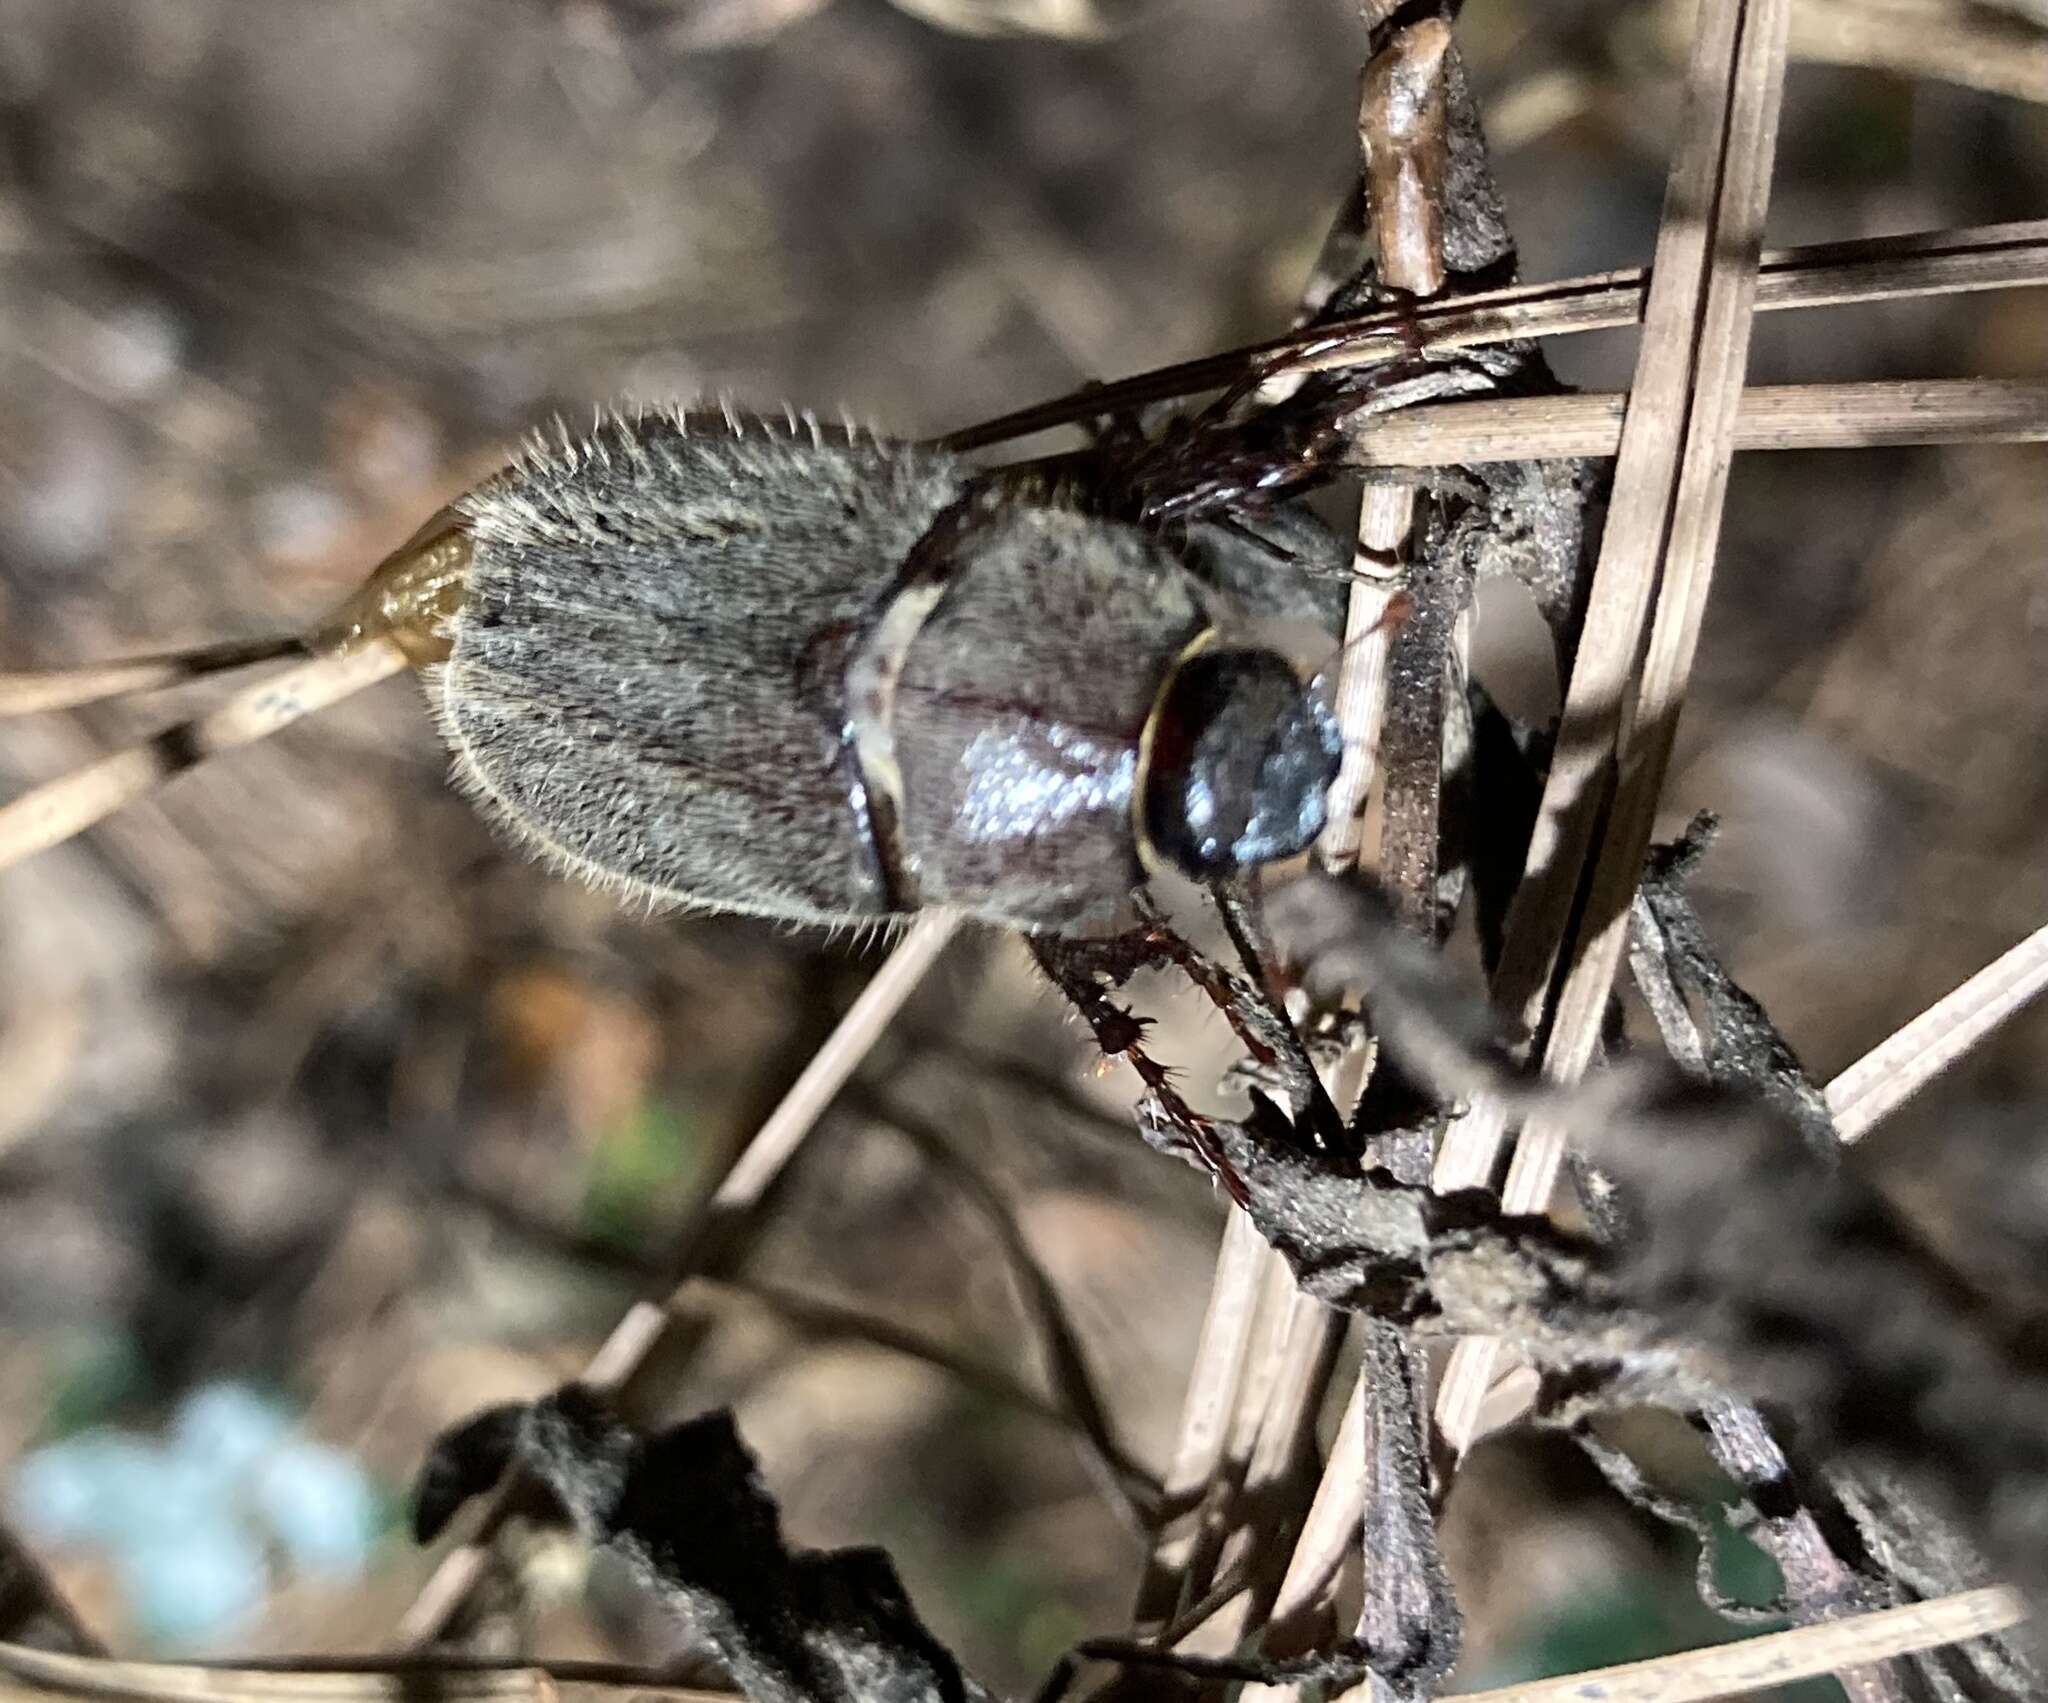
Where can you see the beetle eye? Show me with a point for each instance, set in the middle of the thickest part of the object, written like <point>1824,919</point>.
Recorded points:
<point>1242,755</point>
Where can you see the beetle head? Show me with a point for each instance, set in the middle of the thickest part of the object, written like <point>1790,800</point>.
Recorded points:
<point>1240,755</point>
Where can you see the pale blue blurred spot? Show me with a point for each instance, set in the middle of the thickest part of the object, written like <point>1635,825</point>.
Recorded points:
<point>320,1506</point>
<point>184,1520</point>
<point>193,1587</point>
<point>228,1428</point>
<point>83,1489</point>
<point>177,1493</point>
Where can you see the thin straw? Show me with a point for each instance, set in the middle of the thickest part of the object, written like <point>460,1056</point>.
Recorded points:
<point>66,688</point>
<point>61,808</point>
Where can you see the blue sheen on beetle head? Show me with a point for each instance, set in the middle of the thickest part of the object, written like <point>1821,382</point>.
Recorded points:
<point>1242,759</point>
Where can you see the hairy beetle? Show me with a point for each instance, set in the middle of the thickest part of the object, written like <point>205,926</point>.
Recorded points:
<point>809,673</point>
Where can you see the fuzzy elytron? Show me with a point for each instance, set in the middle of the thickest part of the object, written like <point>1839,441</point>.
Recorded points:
<point>767,667</point>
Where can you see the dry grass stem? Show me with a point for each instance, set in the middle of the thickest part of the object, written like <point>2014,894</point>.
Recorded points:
<point>1401,125</point>
<point>1657,554</point>
<point>1777,1658</point>
<point>1785,416</point>
<point>52,813</point>
<point>1331,1526</point>
<point>1402,122</point>
<point>1243,1262</point>
<point>27,1673</point>
<point>855,1035</point>
<point>1385,518</point>
<point>754,1169</point>
<point>1401,118</point>
<point>1719,1671</point>
<point>1461,1395</point>
<point>1926,38</point>
<point>1874,269</point>
<point>67,688</point>
<point>1286,1436</point>
<point>1512,1393</point>
<point>1655,561</point>
<point>1900,1066</point>
<point>1261,1381</point>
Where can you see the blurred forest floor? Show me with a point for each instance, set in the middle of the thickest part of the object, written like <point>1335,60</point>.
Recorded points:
<point>309,1086</point>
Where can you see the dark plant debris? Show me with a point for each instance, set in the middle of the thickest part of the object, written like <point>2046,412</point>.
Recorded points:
<point>687,1513</point>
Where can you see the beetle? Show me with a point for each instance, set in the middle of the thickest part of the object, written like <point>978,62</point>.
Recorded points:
<point>740,663</point>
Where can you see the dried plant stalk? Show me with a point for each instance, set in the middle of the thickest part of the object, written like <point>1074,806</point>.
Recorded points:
<point>1777,1658</point>
<point>27,1673</point>
<point>1405,118</point>
<point>1334,1515</point>
<point>851,1040</point>
<point>1656,555</point>
<point>1926,38</point>
<point>1402,114</point>
<point>67,688</point>
<point>1784,416</point>
<point>1384,520</point>
<point>1900,1066</point>
<point>1926,263</point>
<point>50,814</point>
<point>1242,1264</point>
<point>1401,124</point>
<point>1263,1377</point>
<point>1874,269</point>
<point>1694,1676</point>
<point>1286,1436</point>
